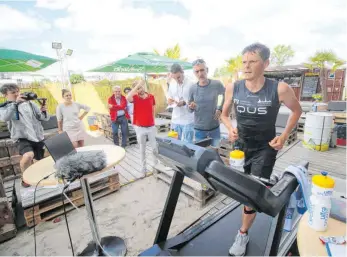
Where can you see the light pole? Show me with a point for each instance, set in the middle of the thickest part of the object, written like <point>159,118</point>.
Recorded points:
<point>68,53</point>
<point>58,47</point>
<point>62,55</point>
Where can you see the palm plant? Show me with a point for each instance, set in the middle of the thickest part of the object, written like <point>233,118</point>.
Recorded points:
<point>234,66</point>
<point>322,60</point>
<point>173,53</point>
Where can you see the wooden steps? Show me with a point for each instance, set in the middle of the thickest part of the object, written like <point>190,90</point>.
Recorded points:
<point>191,188</point>
<point>53,207</point>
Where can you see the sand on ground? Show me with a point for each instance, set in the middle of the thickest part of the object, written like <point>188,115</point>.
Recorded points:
<point>132,213</point>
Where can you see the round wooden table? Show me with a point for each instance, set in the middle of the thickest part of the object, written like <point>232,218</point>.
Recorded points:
<point>308,239</point>
<point>110,245</point>
<point>44,167</point>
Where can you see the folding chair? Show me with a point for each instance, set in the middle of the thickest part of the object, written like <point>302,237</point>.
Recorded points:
<point>59,146</point>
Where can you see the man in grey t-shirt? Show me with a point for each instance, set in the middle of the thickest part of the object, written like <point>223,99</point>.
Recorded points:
<point>206,99</point>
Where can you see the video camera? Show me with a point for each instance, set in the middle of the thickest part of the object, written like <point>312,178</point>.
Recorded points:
<point>29,96</point>
<point>33,96</point>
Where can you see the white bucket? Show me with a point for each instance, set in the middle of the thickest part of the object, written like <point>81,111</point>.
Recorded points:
<point>317,130</point>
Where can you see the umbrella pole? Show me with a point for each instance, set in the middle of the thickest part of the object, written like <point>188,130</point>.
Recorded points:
<point>145,77</point>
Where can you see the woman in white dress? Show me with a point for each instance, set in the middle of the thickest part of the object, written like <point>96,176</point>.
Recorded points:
<point>69,119</point>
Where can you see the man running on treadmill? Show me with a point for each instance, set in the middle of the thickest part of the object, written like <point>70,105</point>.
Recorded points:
<point>257,100</point>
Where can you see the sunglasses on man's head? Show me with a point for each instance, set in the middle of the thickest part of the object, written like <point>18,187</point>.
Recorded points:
<point>198,61</point>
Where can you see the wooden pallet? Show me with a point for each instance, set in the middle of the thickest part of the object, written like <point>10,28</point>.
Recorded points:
<point>52,208</point>
<point>224,152</point>
<point>8,228</point>
<point>191,188</point>
<point>165,115</point>
<point>340,117</point>
<point>103,120</point>
<point>162,125</point>
<point>292,138</point>
<point>132,139</point>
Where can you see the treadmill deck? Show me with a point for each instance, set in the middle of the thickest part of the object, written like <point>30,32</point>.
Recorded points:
<point>218,238</point>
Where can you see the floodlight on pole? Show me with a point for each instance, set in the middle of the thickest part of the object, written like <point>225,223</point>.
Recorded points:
<point>69,52</point>
<point>58,47</point>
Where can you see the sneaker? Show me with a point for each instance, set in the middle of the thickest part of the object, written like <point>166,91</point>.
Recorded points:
<point>240,244</point>
<point>25,184</point>
<point>143,173</point>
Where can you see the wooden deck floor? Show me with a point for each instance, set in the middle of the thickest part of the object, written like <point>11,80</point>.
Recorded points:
<point>332,161</point>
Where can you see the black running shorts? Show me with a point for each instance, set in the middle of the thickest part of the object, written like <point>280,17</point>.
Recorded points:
<point>37,148</point>
<point>260,161</point>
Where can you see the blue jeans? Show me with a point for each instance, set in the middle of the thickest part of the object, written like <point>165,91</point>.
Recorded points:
<point>123,123</point>
<point>214,134</point>
<point>185,132</point>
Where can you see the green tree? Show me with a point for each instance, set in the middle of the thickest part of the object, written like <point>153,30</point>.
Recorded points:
<point>173,53</point>
<point>221,72</point>
<point>76,78</point>
<point>322,60</point>
<point>234,66</point>
<point>282,54</point>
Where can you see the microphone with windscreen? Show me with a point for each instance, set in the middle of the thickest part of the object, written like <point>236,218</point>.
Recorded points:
<point>71,164</point>
<point>77,164</point>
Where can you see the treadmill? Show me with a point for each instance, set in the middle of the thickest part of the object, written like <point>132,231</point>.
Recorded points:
<point>214,235</point>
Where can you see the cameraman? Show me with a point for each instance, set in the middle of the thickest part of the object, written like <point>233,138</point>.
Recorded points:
<point>27,130</point>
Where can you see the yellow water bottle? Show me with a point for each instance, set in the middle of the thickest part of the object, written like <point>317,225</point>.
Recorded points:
<point>237,159</point>
<point>173,134</point>
<point>320,201</point>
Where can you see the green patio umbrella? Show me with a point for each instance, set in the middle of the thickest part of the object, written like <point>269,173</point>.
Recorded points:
<point>19,61</point>
<point>142,63</point>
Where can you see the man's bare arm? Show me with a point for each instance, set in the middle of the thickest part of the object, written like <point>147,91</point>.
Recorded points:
<point>228,96</point>
<point>133,91</point>
<point>288,98</point>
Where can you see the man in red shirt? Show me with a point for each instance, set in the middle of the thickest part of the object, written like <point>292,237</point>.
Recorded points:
<point>143,120</point>
<point>119,115</point>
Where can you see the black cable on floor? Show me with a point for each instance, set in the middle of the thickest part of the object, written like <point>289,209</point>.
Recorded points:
<point>67,224</point>
<point>46,177</point>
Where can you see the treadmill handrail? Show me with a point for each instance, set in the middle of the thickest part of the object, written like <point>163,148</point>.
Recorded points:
<point>205,166</point>
<point>248,190</point>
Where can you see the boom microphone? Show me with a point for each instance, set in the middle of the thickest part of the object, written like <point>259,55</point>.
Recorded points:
<point>75,165</point>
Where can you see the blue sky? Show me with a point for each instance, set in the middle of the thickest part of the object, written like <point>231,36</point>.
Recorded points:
<point>101,31</point>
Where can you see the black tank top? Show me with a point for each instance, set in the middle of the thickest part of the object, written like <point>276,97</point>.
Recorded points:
<point>256,113</point>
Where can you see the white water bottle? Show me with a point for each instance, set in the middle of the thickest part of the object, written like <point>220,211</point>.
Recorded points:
<point>320,201</point>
